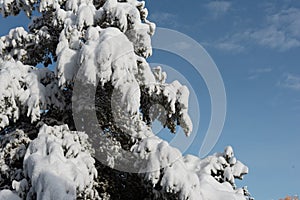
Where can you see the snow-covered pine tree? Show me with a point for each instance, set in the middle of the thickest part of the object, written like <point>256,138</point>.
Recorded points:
<point>84,131</point>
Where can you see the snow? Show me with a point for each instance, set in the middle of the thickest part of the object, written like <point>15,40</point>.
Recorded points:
<point>189,176</point>
<point>210,190</point>
<point>229,152</point>
<point>175,93</point>
<point>8,195</point>
<point>26,90</point>
<point>59,164</point>
<point>16,45</point>
<point>123,15</point>
<point>85,16</point>
<point>13,148</point>
<point>67,66</point>
<point>239,169</point>
<point>160,76</point>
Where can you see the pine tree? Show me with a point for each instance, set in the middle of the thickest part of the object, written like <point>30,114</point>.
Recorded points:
<point>84,130</point>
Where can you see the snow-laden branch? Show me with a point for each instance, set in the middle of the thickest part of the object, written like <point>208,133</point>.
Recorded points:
<point>58,165</point>
<point>28,48</point>
<point>189,176</point>
<point>25,90</point>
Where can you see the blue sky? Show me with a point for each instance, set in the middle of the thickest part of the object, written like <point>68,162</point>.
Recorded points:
<point>256,46</point>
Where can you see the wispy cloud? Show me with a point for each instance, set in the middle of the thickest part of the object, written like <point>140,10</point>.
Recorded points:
<point>290,81</point>
<point>229,44</point>
<point>164,18</point>
<point>181,45</point>
<point>280,31</point>
<point>218,8</point>
<point>256,73</point>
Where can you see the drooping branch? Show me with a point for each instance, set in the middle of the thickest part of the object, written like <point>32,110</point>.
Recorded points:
<point>26,91</point>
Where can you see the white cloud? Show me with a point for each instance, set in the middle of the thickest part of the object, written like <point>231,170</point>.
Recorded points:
<point>218,8</point>
<point>256,73</point>
<point>288,19</point>
<point>281,31</point>
<point>290,81</point>
<point>228,44</point>
<point>275,38</point>
<point>262,70</point>
<point>164,18</point>
<point>181,45</point>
